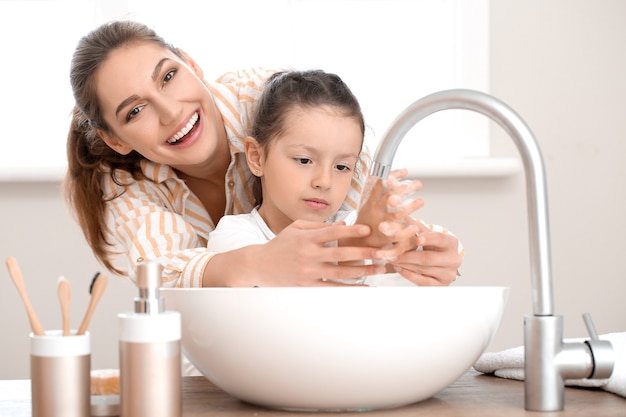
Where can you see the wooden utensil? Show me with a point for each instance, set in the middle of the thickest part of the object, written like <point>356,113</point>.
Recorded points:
<point>65,296</point>
<point>98,286</point>
<point>18,280</point>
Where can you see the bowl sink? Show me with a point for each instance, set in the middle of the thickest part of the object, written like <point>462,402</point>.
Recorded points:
<point>336,348</point>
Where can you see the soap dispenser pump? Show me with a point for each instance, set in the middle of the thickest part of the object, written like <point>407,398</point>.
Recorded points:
<point>150,352</point>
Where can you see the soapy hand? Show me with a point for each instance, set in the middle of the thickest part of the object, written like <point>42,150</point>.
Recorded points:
<point>386,207</point>
<point>425,255</point>
<point>436,264</point>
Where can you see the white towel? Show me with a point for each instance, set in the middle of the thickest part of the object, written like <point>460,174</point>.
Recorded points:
<point>509,364</point>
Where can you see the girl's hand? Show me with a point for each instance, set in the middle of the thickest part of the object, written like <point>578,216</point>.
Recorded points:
<point>436,264</point>
<point>300,255</point>
<point>386,206</point>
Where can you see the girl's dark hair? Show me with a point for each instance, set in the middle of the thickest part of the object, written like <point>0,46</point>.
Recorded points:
<point>89,158</point>
<point>287,90</point>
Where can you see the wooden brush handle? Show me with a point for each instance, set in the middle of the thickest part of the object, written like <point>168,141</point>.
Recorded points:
<point>18,280</point>
<point>65,296</point>
<point>98,287</point>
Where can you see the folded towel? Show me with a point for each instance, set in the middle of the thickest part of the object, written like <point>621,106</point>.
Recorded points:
<point>509,364</point>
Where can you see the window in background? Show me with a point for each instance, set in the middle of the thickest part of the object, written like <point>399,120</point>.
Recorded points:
<point>391,53</point>
<point>38,38</point>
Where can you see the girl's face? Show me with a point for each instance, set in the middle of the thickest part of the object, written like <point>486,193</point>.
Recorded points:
<point>306,171</point>
<point>156,104</point>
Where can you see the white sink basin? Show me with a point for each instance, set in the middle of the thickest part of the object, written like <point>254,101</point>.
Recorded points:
<point>336,348</point>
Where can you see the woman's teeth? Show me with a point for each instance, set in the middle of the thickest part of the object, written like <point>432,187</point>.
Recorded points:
<point>186,129</point>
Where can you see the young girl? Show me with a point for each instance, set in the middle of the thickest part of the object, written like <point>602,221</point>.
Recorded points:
<point>156,158</point>
<point>306,140</point>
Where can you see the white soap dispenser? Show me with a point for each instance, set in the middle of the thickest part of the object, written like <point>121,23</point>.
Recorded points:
<point>150,352</point>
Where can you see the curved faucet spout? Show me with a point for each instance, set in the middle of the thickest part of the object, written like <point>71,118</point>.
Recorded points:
<point>547,359</point>
<point>541,278</point>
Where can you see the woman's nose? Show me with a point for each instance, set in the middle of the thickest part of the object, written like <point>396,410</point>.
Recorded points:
<point>169,110</point>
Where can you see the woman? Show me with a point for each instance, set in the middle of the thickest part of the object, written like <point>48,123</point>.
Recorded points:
<point>155,159</point>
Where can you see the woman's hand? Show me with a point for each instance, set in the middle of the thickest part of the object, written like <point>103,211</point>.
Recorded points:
<point>303,254</point>
<point>436,264</point>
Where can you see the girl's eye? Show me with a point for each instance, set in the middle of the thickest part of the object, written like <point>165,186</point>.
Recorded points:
<point>168,76</point>
<point>303,161</point>
<point>343,168</point>
<point>134,112</point>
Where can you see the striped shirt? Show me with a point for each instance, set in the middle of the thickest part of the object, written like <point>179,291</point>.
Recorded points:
<point>160,219</point>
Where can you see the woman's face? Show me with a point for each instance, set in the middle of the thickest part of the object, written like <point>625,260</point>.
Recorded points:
<point>306,172</point>
<point>156,104</point>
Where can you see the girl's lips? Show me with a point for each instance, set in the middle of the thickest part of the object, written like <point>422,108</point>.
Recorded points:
<point>316,204</point>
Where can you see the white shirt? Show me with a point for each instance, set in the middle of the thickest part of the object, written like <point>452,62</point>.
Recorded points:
<point>237,231</point>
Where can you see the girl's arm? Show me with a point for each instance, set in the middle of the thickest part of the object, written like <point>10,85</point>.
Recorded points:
<point>297,256</point>
<point>437,263</point>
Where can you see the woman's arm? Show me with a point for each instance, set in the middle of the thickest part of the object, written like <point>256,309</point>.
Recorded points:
<point>148,229</point>
<point>157,220</point>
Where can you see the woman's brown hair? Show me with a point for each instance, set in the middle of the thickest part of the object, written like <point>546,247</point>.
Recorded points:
<point>89,158</point>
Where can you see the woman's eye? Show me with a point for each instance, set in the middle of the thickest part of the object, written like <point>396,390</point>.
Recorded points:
<point>134,112</point>
<point>303,161</point>
<point>168,76</point>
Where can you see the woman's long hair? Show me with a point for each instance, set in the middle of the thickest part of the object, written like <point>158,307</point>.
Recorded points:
<point>89,158</point>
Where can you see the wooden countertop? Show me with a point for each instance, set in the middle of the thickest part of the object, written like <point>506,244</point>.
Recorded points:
<point>473,395</point>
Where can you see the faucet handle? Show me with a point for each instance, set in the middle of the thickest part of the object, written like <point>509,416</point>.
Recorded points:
<point>590,326</point>
<point>601,352</point>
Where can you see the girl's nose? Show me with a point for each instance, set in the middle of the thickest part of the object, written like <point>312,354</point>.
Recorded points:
<point>322,178</point>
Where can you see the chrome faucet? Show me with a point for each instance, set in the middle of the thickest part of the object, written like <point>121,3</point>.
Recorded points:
<point>548,359</point>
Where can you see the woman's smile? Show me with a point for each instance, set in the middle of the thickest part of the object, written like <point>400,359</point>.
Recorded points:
<point>178,137</point>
